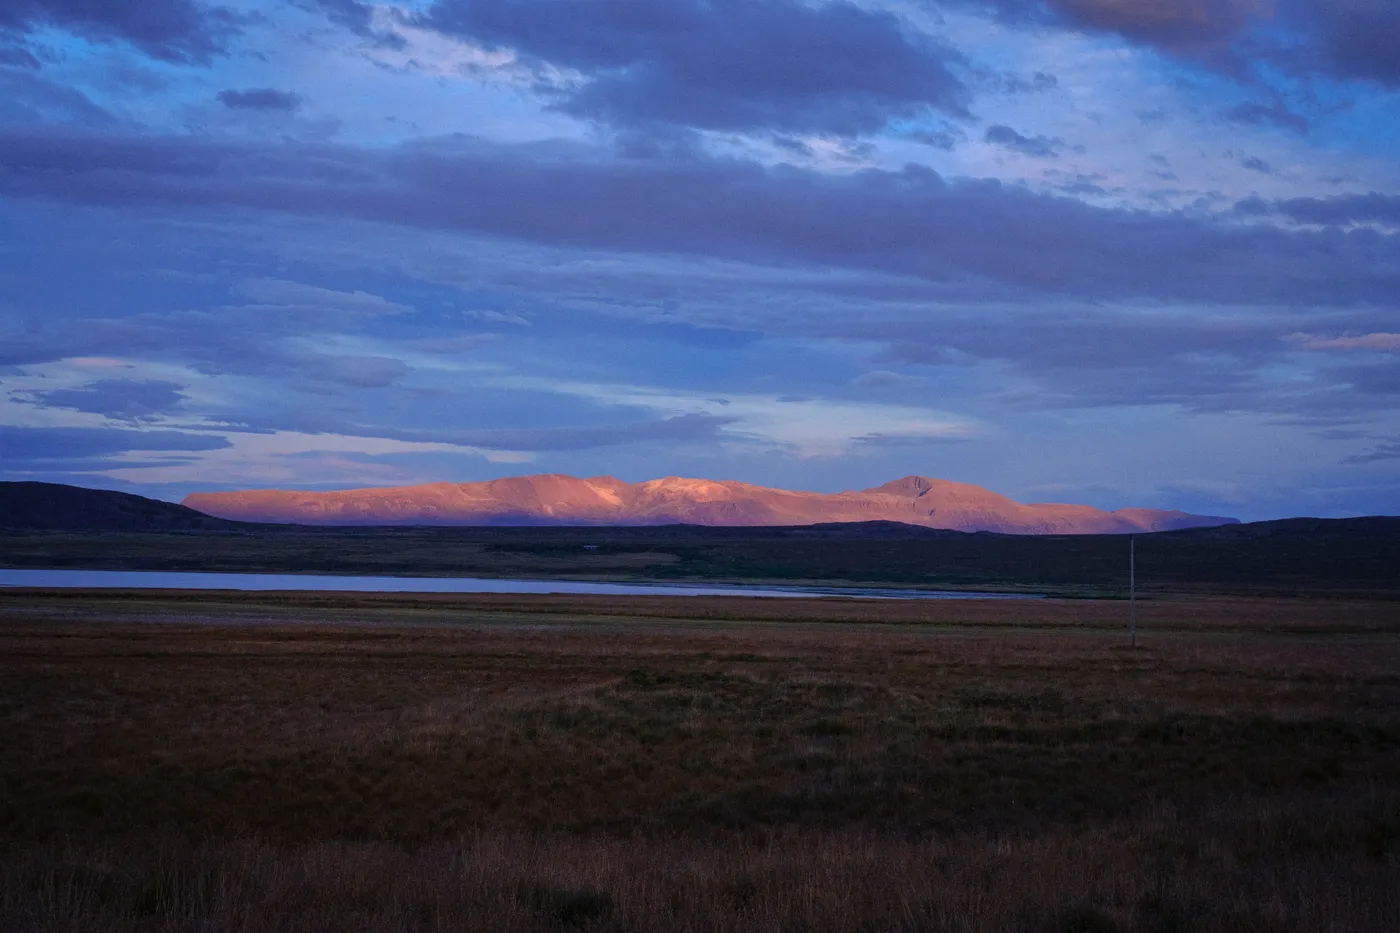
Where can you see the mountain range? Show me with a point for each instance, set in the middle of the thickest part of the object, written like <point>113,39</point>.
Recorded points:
<point>603,500</point>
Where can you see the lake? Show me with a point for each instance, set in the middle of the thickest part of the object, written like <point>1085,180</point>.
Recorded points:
<point>161,580</point>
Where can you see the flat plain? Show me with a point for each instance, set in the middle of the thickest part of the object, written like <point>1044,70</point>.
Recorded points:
<point>220,761</point>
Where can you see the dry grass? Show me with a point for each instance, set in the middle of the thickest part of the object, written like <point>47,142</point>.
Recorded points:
<point>1321,615</point>
<point>719,765</point>
<point>1160,875</point>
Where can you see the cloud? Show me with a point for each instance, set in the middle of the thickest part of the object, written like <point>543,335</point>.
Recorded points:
<point>1256,164</point>
<point>1037,147</point>
<point>1095,357</point>
<point>765,65</point>
<point>1342,39</point>
<point>1200,29</point>
<point>278,336</point>
<point>356,304</point>
<point>119,399</point>
<point>178,31</point>
<point>952,301</point>
<point>24,444</point>
<point>1353,39</point>
<point>349,14</point>
<point>1193,26</point>
<point>1379,379</point>
<point>880,439</point>
<point>1342,434</point>
<point>489,316</point>
<point>27,97</point>
<point>1341,210</point>
<point>1002,241</point>
<point>1037,83</point>
<point>1388,450</point>
<point>804,425</point>
<point>1381,342</point>
<point>451,346</point>
<point>364,372</point>
<point>679,428</point>
<point>15,56</point>
<point>81,469</point>
<point>884,379</point>
<point>938,139</point>
<point>1276,114</point>
<point>358,18</point>
<point>260,98</point>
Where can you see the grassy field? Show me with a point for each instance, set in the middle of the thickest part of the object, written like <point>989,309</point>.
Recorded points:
<point>1356,561</point>
<point>220,762</point>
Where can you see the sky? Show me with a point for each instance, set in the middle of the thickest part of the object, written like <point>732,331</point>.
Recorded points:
<point>1115,252</point>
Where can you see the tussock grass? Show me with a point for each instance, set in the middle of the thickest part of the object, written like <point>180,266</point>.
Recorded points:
<point>1252,872</point>
<point>559,765</point>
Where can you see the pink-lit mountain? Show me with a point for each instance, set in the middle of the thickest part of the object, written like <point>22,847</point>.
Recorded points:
<point>603,500</point>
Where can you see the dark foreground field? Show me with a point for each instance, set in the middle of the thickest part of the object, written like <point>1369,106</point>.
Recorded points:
<point>348,762</point>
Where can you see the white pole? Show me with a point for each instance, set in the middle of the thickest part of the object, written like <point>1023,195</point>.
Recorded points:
<point>1132,590</point>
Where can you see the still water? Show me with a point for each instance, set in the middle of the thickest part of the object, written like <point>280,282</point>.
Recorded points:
<point>160,580</point>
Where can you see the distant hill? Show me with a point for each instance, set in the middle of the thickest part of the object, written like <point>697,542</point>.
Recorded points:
<point>555,499</point>
<point>56,507</point>
<point>1370,527</point>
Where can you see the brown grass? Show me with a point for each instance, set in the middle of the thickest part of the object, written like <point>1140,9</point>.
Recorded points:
<point>719,765</point>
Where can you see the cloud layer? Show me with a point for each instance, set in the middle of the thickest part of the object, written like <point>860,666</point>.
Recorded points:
<point>910,221</point>
<point>1142,253</point>
<point>180,31</point>
<point>770,65</point>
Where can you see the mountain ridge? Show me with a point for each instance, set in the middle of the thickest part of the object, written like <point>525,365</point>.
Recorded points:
<point>556,498</point>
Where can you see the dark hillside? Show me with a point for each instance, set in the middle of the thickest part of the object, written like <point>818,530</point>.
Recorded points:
<point>1372,527</point>
<point>56,507</point>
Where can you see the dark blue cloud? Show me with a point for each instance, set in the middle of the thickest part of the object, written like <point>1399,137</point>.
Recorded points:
<point>1356,39</point>
<point>271,337</point>
<point>1340,211</point>
<point>350,14</point>
<point>170,30</point>
<point>769,65</point>
<point>16,56</point>
<point>28,444</point>
<point>1212,362</point>
<point>997,238</point>
<point>1201,29</point>
<point>28,97</point>
<point>1037,147</point>
<point>1386,450</point>
<point>67,470</point>
<point>1275,114</point>
<point>121,399</point>
<point>355,16</point>
<point>358,371</point>
<point>1193,26</point>
<point>1376,378</point>
<point>259,98</point>
<point>677,429</point>
<point>1347,39</point>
